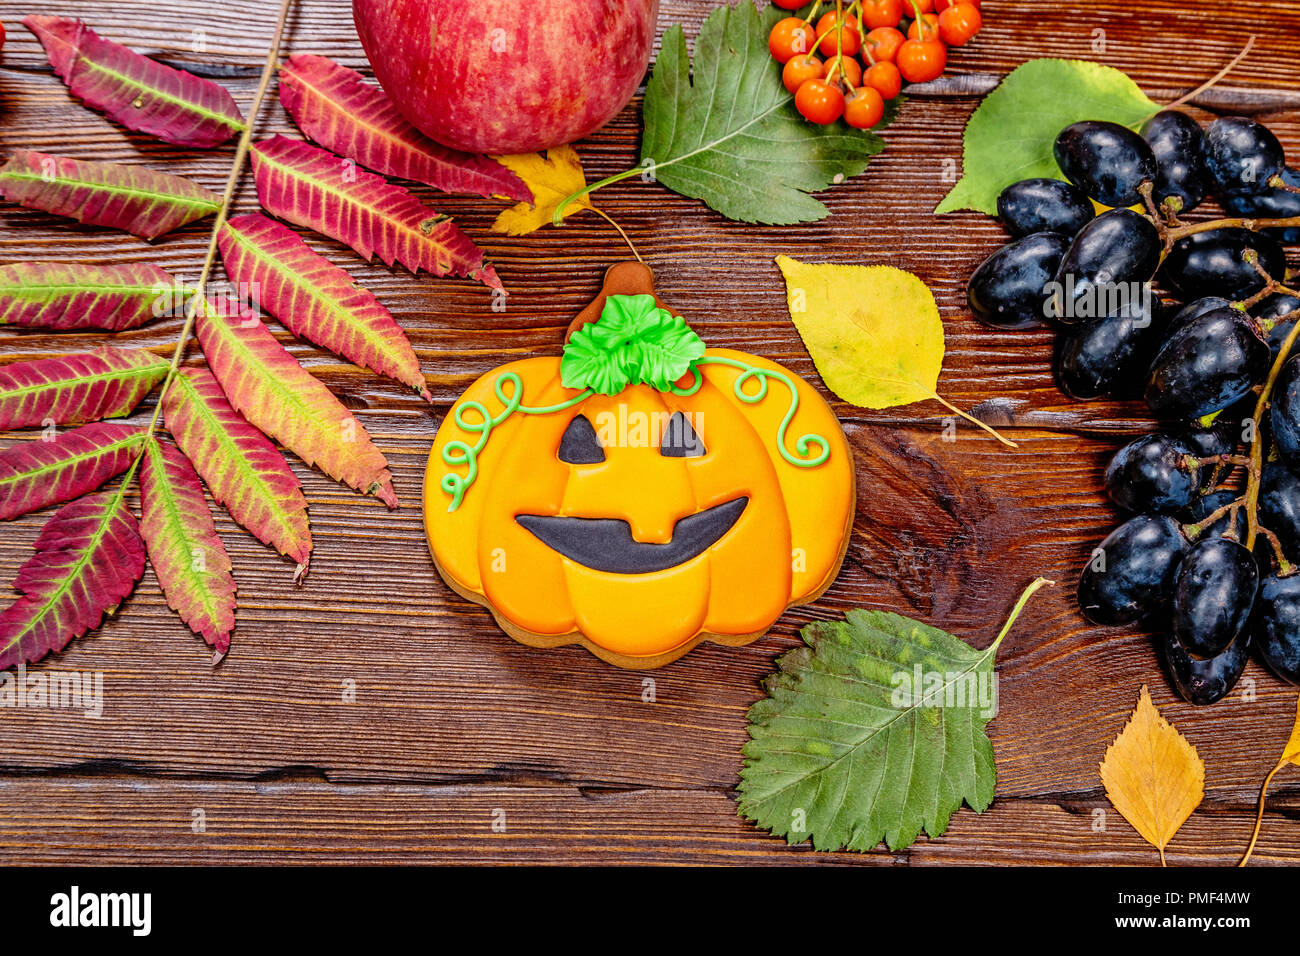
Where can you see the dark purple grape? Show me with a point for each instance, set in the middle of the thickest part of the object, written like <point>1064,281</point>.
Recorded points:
<point>1285,413</point>
<point>1213,263</point>
<point>1107,161</point>
<point>1205,680</point>
<point>1154,473</point>
<point>1044,205</point>
<point>1279,305</point>
<point>1213,595</point>
<point>1220,437</point>
<point>1279,505</point>
<point>1271,202</point>
<point>1107,266</point>
<point>1277,313</point>
<point>1110,356</point>
<point>1008,290</point>
<point>1206,365</point>
<point>1179,147</point>
<point>1276,626</point>
<point>1205,505</point>
<point>1196,309</point>
<point>1242,155</point>
<point>1132,572</point>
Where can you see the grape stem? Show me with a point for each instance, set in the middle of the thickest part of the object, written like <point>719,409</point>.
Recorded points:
<point>1254,462</point>
<point>1171,230</point>
<point>1254,225</point>
<point>1277,182</point>
<point>1241,460</point>
<point>1257,445</point>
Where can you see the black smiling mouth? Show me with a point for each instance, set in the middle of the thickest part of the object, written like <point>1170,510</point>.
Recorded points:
<point>606,544</point>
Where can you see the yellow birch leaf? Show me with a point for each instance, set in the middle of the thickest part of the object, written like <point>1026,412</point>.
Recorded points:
<point>1290,754</point>
<point>1153,776</point>
<point>552,178</point>
<point>874,333</point>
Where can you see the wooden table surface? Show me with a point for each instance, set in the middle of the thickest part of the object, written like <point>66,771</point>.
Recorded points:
<point>455,727</point>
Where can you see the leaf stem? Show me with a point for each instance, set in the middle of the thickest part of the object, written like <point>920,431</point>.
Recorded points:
<point>1216,78</point>
<point>1029,592</point>
<point>609,219</point>
<point>198,299</point>
<point>975,421</point>
<point>591,188</point>
<point>1259,816</point>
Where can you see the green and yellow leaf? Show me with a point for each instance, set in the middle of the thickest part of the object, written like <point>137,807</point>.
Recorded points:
<point>268,387</point>
<point>187,555</point>
<point>106,383</point>
<point>244,470</point>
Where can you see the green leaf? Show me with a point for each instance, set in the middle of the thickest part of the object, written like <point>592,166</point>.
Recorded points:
<point>634,342</point>
<point>727,131</point>
<point>1010,135</point>
<point>849,748</point>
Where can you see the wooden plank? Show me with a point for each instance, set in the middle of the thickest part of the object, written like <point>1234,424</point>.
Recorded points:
<point>451,718</point>
<point>112,820</point>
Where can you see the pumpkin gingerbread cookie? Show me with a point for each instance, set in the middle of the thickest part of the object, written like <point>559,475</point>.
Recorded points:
<point>641,493</point>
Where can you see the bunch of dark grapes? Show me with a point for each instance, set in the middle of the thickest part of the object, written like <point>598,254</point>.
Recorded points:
<point>1205,557</point>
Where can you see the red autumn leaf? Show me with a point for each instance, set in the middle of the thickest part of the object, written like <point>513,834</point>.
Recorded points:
<point>244,471</point>
<point>86,387</point>
<point>267,386</point>
<point>40,473</point>
<point>141,201</point>
<point>139,93</point>
<point>315,299</point>
<point>338,109</point>
<point>88,558</point>
<point>313,188</point>
<point>187,555</point>
<point>78,295</point>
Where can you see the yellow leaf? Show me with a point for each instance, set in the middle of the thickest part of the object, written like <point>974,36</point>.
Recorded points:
<point>1153,776</point>
<point>1290,754</point>
<point>874,333</point>
<point>552,178</point>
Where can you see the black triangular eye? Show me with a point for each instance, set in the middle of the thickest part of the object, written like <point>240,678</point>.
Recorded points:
<point>680,439</point>
<point>579,445</point>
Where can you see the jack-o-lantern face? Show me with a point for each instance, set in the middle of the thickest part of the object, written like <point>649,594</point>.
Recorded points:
<point>641,522</point>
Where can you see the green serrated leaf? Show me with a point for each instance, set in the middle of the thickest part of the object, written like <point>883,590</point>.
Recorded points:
<point>726,130</point>
<point>872,732</point>
<point>1010,135</point>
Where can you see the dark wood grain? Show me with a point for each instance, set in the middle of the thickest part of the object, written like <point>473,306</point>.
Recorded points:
<point>452,720</point>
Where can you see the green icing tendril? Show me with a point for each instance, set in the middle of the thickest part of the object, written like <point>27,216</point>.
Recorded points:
<point>639,344</point>
<point>457,453</point>
<point>805,458</point>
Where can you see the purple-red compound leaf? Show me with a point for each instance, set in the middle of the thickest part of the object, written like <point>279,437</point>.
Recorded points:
<point>314,188</point>
<point>268,387</point>
<point>141,201</point>
<point>242,468</point>
<point>315,299</point>
<point>75,295</point>
<point>86,387</point>
<point>338,109</point>
<point>40,473</point>
<point>141,94</point>
<point>187,555</point>
<point>88,559</point>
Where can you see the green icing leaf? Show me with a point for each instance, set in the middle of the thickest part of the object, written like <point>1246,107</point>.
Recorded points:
<point>1010,135</point>
<point>726,131</point>
<point>634,342</point>
<point>875,730</point>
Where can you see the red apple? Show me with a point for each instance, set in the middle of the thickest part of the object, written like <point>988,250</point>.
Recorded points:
<point>505,76</point>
